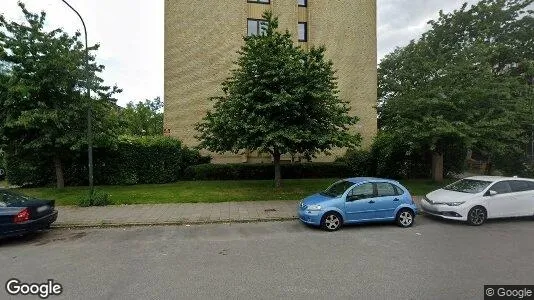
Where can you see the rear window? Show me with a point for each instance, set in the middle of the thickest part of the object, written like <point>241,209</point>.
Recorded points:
<point>7,198</point>
<point>386,189</point>
<point>521,185</point>
<point>470,186</point>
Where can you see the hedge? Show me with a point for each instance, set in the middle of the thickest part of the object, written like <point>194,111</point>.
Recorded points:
<point>392,156</point>
<point>266,171</point>
<point>132,160</point>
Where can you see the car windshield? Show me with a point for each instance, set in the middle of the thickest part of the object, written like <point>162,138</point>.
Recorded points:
<point>470,186</point>
<point>337,189</point>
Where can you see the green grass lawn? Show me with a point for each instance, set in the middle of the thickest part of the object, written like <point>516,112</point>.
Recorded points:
<point>208,191</point>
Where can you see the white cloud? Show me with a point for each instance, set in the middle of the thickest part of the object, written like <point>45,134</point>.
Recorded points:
<point>130,34</point>
<point>400,21</point>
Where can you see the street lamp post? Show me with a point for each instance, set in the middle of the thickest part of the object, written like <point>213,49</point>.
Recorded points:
<point>89,108</point>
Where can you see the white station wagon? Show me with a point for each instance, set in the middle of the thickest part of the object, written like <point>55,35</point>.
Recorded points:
<point>475,199</point>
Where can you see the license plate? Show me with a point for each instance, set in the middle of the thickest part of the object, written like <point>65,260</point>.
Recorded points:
<point>42,208</point>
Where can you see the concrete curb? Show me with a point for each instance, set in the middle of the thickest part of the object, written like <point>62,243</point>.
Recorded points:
<point>176,223</point>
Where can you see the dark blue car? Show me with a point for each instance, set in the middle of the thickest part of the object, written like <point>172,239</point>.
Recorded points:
<point>359,200</point>
<point>20,214</point>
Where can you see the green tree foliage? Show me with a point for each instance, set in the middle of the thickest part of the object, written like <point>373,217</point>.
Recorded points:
<point>143,118</point>
<point>130,160</point>
<point>279,99</point>
<point>43,107</point>
<point>465,82</point>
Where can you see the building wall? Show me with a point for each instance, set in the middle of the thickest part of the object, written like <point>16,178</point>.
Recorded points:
<point>202,38</point>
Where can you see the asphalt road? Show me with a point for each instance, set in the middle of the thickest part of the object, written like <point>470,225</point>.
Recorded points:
<point>277,260</point>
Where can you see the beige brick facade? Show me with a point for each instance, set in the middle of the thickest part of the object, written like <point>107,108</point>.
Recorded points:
<point>202,38</point>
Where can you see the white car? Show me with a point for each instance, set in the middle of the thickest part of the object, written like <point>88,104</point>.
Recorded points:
<point>475,199</point>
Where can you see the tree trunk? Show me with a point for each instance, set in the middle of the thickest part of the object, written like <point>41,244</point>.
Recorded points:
<point>437,166</point>
<point>60,180</point>
<point>277,177</point>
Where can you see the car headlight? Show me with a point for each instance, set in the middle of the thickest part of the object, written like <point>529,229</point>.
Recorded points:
<point>314,207</point>
<point>454,203</point>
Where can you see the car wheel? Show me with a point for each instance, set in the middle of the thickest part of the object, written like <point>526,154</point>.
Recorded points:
<point>477,216</point>
<point>331,221</point>
<point>405,217</point>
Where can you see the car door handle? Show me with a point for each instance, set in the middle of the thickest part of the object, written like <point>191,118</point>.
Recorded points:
<point>396,199</point>
<point>371,201</point>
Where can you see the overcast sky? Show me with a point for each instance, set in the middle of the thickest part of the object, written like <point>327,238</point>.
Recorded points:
<point>130,33</point>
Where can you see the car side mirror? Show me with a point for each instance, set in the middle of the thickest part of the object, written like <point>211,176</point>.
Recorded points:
<point>490,193</point>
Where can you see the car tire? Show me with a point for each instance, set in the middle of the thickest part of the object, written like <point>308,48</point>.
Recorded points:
<point>331,221</point>
<point>477,216</point>
<point>405,218</point>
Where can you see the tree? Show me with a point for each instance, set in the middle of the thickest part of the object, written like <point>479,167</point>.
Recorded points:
<point>463,83</point>
<point>143,118</point>
<point>43,107</point>
<point>279,99</point>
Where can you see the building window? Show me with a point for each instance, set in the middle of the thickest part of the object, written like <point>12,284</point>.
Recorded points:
<point>303,3</point>
<point>260,1</point>
<point>255,27</point>
<point>303,32</point>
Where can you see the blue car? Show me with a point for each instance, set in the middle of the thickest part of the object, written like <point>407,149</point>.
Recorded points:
<point>359,200</point>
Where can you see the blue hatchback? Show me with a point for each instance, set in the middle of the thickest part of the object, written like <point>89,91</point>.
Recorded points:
<point>359,200</point>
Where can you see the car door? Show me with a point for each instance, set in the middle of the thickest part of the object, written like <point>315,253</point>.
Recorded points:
<point>359,203</point>
<point>523,202</point>
<point>386,200</point>
<point>503,203</point>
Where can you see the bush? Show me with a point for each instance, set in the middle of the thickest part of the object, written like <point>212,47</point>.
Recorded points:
<point>266,171</point>
<point>392,156</point>
<point>28,169</point>
<point>99,199</point>
<point>2,166</point>
<point>131,160</point>
<point>358,161</point>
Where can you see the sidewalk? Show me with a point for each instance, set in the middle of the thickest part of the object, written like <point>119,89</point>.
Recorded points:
<point>177,214</point>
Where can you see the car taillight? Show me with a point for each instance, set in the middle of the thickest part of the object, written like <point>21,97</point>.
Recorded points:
<point>22,216</point>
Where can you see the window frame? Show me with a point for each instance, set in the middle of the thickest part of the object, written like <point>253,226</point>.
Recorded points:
<point>305,31</point>
<point>514,184</point>
<point>258,25</point>
<point>303,5</point>
<point>350,192</point>
<point>500,182</point>
<point>259,1</point>
<point>393,188</point>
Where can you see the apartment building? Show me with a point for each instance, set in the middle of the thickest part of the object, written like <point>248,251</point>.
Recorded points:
<point>202,39</point>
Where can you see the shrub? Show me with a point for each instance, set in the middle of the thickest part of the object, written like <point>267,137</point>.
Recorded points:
<point>392,156</point>
<point>266,171</point>
<point>99,199</point>
<point>28,169</point>
<point>131,160</point>
<point>2,166</point>
<point>359,162</point>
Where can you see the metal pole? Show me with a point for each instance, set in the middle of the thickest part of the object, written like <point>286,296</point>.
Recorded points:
<point>89,108</point>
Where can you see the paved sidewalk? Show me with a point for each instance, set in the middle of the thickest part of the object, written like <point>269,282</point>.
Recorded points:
<point>184,213</point>
<point>176,214</point>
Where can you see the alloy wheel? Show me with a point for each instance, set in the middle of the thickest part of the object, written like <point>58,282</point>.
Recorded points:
<point>477,216</point>
<point>332,222</point>
<point>405,218</point>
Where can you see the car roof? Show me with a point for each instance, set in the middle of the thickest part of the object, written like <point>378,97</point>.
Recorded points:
<point>371,179</point>
<point>497,178</point>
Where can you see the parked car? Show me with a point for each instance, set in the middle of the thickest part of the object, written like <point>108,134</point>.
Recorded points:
<point>359,200</point>
<point>20,214</point>
<point>476,199</point>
